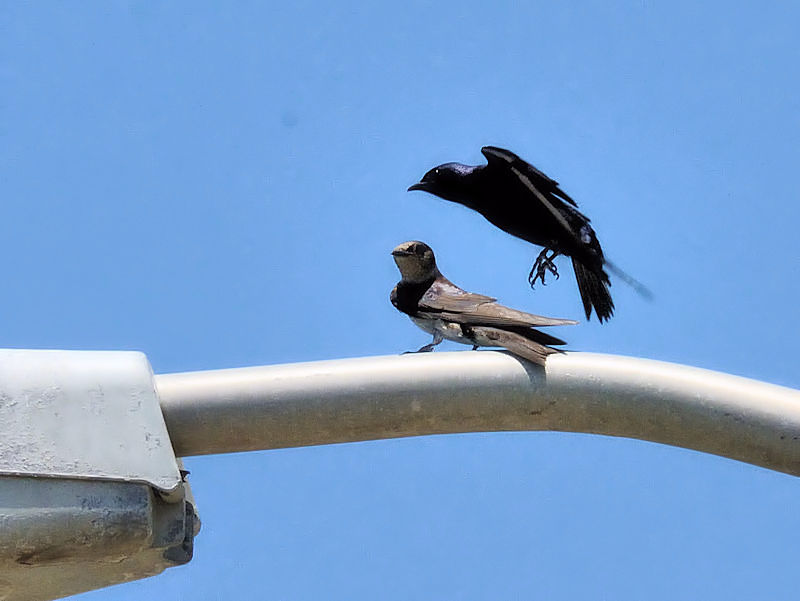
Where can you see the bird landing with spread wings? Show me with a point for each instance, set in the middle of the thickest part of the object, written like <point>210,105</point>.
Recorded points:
<point>444,310</point>
<point>519,199</point>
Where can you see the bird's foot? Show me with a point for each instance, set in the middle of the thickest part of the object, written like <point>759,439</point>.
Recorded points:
<point>541,266</point>
<point>437,339</point>
<point>425,349</point>
<point>475,347</point>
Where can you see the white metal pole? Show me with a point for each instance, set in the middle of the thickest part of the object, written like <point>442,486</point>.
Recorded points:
<point>372,398</point>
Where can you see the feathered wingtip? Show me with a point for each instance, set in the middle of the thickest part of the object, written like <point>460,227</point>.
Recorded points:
<point>640,288</point>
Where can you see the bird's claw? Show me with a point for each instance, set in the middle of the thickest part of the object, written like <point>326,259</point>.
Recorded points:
<point>437,339</point>
<point>425,349</point>
<point>541,266</point>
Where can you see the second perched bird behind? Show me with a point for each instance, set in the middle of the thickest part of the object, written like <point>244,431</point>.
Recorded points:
<point>521,200</point>
<point>441,308</point>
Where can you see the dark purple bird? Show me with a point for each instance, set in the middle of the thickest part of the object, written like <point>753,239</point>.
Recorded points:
<point>522,201</point>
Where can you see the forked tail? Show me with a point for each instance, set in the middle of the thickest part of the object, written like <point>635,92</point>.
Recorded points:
<point>593,286</point>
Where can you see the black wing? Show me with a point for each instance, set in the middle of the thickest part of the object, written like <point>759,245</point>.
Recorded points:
<point>568,217</point>
<point>538,178</point>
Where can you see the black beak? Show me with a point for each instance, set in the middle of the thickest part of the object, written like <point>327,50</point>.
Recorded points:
<point>401,253</point>
<point>418,186</point>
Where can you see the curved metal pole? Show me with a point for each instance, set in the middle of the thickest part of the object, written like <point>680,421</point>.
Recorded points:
<point>371,398</point>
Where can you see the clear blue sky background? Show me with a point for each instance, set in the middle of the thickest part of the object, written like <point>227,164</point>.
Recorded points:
<point>220,185</point>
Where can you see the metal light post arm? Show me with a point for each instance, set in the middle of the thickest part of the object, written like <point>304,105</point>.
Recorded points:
<point>349,400</point>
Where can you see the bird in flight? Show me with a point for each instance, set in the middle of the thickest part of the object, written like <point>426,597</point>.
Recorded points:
<point>444,310</point>
<point>522,201</point>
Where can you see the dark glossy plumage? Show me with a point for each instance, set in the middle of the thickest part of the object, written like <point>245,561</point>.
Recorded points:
<point>521,200</point>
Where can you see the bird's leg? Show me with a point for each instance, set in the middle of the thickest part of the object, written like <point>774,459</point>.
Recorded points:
<point>475,347</point>
<point>437,339</point>
<point>542,265</point>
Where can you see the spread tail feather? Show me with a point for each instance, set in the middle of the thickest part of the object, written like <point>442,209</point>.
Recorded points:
<point>593,286</point>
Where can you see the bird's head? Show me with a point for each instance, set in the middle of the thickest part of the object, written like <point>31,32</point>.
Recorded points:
<point>415,261</point>
<point>445,181</point>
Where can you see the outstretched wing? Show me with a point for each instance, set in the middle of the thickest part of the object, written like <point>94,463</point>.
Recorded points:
<point>544,183</point>
<point>447,301</point>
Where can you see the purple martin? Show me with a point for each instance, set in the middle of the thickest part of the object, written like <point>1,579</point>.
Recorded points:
<point>441,308</point>
<point>522,201</point>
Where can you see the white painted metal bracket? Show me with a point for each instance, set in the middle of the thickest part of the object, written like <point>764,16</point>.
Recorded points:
<point>83,414</point>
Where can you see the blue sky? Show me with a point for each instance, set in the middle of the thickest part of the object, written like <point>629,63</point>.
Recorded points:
<point>220,185</point>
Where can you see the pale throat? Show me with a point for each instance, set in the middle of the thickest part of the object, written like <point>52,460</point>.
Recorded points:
<point>413,271</point>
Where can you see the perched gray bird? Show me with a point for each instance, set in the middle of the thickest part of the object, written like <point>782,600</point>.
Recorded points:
<point>443,309</point>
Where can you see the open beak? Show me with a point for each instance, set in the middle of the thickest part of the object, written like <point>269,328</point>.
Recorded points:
<point>418,186</point>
